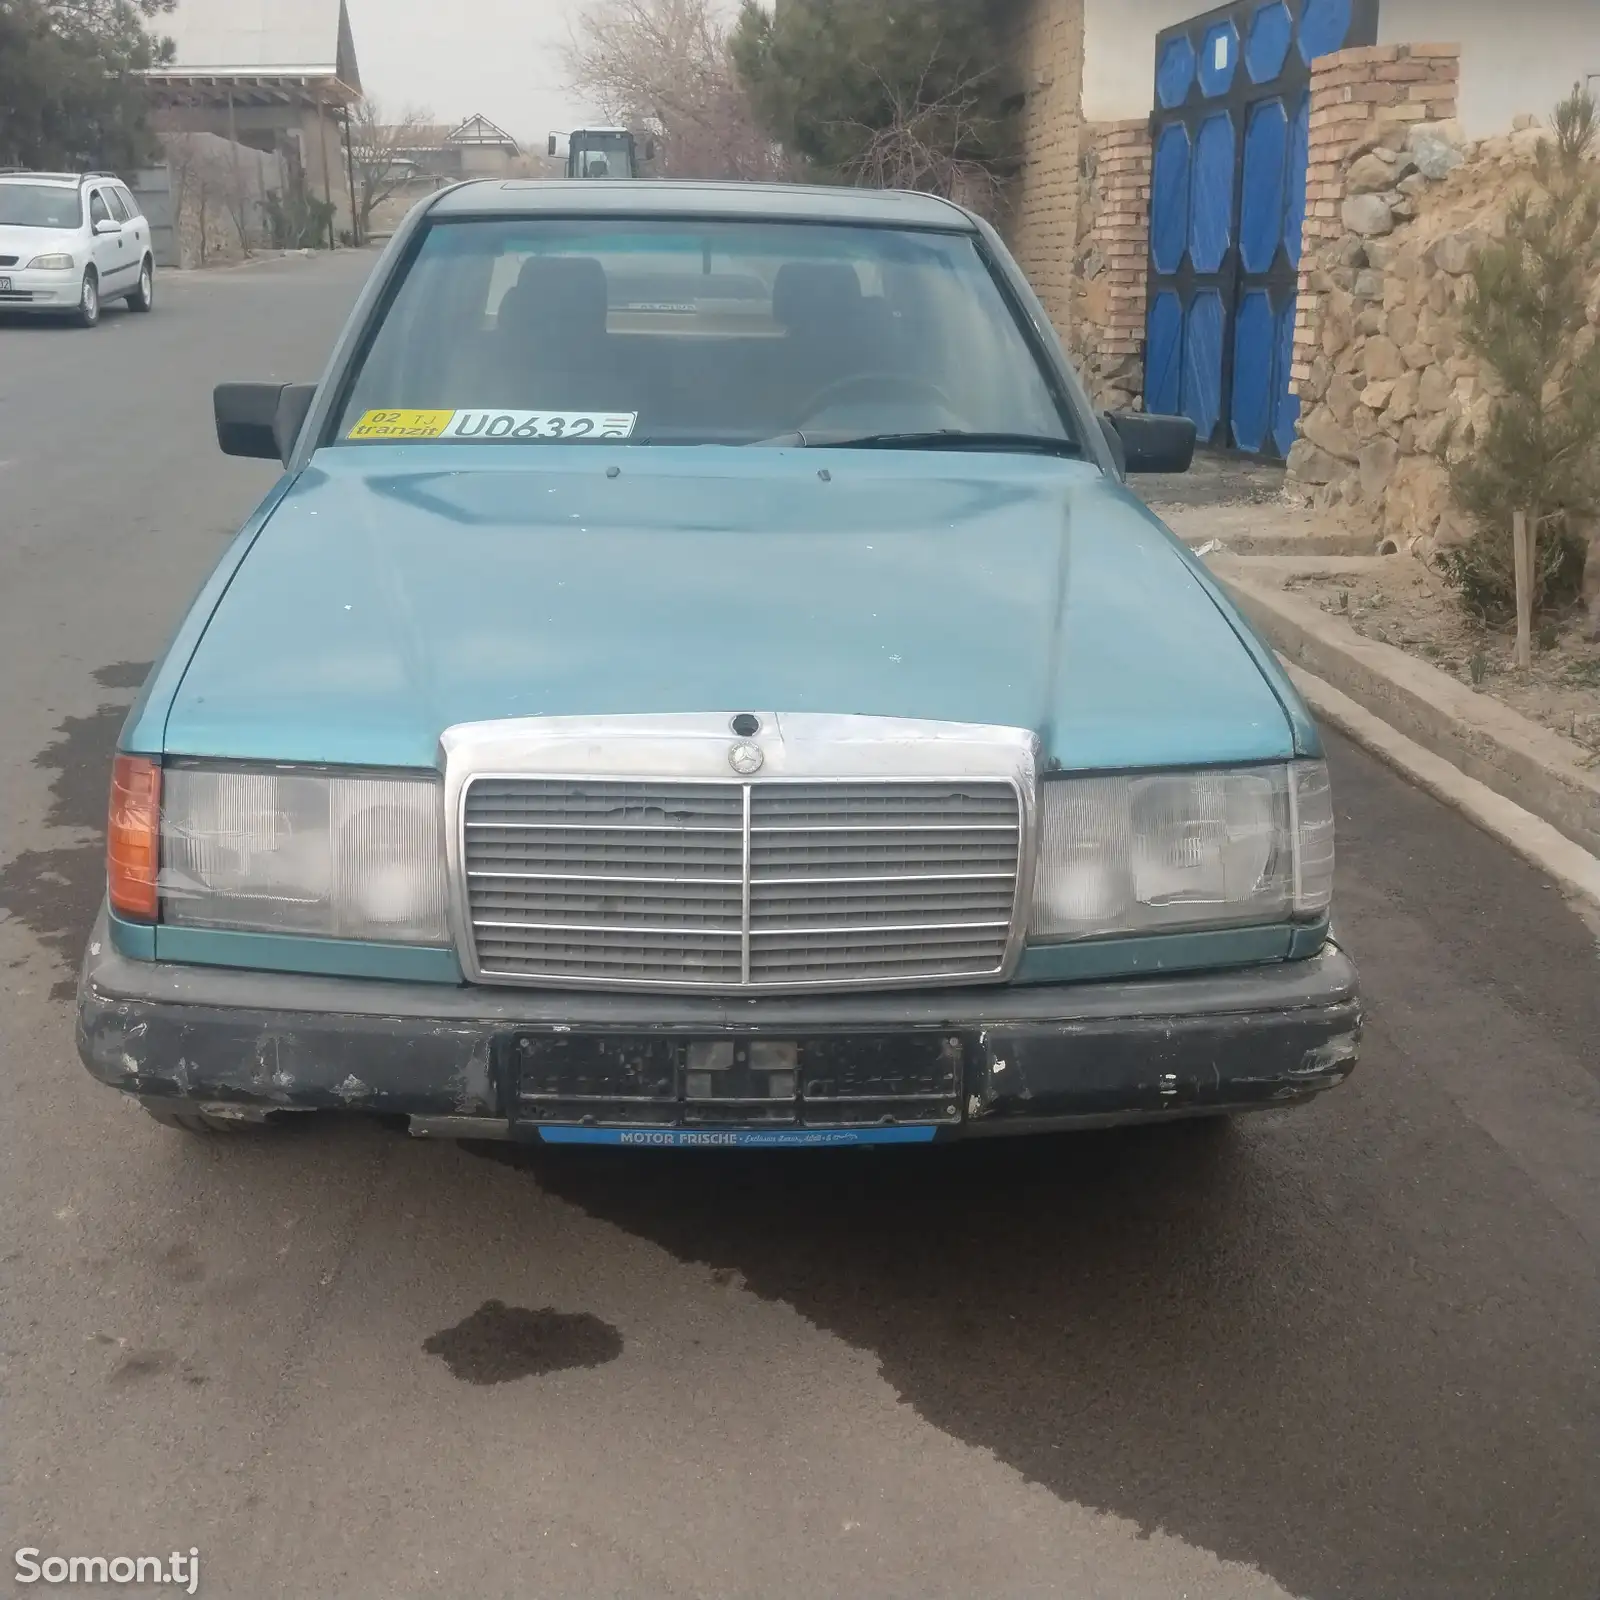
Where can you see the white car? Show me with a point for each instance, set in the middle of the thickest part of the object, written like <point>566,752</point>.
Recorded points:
<point>69,242</point>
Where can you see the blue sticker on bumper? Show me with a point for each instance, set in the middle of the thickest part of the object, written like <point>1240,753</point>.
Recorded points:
<point>736,1138</point>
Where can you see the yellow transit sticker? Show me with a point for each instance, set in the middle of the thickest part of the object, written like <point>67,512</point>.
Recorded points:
<point>402,425</point>
<point>553,426</point>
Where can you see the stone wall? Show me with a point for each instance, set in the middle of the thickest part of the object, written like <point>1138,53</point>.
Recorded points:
<point>1375,362</point>
<point>1106,321</point>
<point>1361,100</point>
<point>1390,399</point>
<point>218,192</point>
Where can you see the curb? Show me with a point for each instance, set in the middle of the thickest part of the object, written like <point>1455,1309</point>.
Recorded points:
<point>1238,530</point>
<point>1529,836</point>
<point>256,258</point>
<point>1537,770</point>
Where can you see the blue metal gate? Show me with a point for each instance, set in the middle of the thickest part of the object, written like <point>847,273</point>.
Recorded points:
<point>1227,204</point>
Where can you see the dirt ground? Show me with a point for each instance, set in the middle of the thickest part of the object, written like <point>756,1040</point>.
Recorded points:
<point>1402,603</point>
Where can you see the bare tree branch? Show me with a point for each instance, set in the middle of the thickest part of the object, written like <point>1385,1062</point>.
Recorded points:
<point>378,151</point>
<point>663,66</point>
<point>205,176</point>
<point>920,144</point>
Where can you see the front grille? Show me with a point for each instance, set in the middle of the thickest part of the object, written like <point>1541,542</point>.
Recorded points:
<point>762,885</point>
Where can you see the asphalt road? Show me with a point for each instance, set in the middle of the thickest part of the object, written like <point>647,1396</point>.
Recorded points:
<point>1352,1350</point>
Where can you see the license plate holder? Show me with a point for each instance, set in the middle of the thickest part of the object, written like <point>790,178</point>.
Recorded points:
<point>749,1081</point>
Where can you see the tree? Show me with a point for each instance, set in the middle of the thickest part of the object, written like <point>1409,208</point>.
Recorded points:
<point>378,155</point>
<point>915,93</point>
<point>197,179</point>
<point>1533,479</point>
<point>922,141</point>
<point>71,94</point>
<point>663,67</point>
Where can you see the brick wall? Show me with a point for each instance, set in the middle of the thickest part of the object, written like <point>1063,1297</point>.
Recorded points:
<point>1042,216</point>
<point>1111,264</point>
<point>1078,214</point>
<point>1360,99</point>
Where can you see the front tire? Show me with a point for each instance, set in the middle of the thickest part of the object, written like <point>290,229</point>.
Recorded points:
<point>88,312</point>
<point>144,296</point>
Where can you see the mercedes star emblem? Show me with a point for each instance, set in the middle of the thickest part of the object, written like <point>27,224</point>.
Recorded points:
<point>746,759</point>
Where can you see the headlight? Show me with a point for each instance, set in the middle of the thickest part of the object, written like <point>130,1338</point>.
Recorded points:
<point>51,263</point>
<point>343,857</point>
<point>1156,852</point>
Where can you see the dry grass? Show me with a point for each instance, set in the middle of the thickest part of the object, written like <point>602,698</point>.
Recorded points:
<point>1407,606</point>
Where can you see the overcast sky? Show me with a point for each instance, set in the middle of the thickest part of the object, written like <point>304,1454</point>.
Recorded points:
<point>500,57</point>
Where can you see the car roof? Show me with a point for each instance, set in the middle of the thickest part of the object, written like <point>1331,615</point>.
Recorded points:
<point>653,197</point>
<point>63,178</point>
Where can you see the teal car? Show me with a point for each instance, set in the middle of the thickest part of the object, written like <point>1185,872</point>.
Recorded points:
<point>703,680</point>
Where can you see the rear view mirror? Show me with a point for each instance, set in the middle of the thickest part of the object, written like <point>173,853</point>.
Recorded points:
<point>107,225</point>
<point>1152,443</point>
<point>261,420</point>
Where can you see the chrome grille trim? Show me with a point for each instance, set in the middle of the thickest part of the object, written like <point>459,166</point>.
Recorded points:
<point>746,946</point>
<point>867,853</point>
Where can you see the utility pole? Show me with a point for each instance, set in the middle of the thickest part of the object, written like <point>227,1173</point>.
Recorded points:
<point>350,169</point>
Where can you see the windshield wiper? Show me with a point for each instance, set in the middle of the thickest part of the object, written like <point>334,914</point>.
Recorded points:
<point>946,439</point>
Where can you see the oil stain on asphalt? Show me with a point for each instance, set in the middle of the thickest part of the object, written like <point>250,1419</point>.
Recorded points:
<point>1159,1323</point>
<point>54,893</point>
<point>500,1343</point>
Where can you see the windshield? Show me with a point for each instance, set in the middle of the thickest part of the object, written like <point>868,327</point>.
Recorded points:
<point>602,155</point>
<point>699,333</point>
<point>40,205</point>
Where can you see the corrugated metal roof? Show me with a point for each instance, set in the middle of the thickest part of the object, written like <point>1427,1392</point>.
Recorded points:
<point>288,38</point>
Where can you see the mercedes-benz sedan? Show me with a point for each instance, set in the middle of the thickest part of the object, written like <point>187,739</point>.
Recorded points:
<point>702,679</point>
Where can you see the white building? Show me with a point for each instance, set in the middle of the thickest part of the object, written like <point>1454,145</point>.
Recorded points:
<point>273,74</point>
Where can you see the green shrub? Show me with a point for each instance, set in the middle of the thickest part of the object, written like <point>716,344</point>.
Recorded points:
<point>1527,320</point>
<point>297,219</point>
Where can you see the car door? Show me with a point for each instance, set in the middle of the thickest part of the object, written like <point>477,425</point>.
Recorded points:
<point>127,240</point>
<point>139,227</point>
<point>106,248</point>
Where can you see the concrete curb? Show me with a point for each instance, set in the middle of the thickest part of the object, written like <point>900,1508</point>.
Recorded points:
<point>1531,837</point>
<point>1243,530</point>
<point>1487,741</point>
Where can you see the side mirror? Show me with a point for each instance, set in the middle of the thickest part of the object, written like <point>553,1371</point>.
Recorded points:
<point>261,420</point>
<point>294,404</point>
<point>1152,443</point>
<point>108,225</point>
<point>1114,444</point>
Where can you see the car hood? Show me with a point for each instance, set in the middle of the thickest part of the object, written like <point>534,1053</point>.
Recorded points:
<point>398,590</point>
<point>26,243</point>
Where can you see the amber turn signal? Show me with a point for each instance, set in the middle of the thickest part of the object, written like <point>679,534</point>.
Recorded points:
<point>133,838</point>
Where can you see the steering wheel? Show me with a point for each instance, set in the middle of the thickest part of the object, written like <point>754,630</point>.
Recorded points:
<point>890,384</point>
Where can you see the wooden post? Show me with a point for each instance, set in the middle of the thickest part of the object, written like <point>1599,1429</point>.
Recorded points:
<point>350,172</point>
<point>1522,556</point>
<point>238,182</point>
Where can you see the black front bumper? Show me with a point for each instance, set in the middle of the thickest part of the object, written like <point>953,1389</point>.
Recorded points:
<point>678,1069</point>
